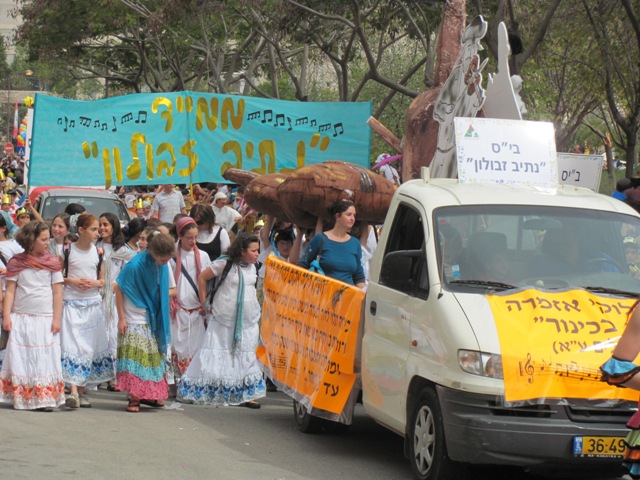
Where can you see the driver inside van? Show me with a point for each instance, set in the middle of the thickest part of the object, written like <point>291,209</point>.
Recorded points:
<point>568,250</point>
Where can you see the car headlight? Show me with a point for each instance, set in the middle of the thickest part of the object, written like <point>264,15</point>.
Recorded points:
<point>481,363</point>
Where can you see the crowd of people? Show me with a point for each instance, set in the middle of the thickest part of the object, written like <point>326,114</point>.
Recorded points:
<point>167,305</point>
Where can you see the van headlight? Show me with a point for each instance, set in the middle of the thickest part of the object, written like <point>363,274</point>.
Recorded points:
<point>481,363</point>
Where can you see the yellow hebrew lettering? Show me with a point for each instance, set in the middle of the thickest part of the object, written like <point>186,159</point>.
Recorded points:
<point>186,149</point>
<point>148,153</point>
<point>134,170</point>
<point>227,113</point>
<point>167,114</point>
<point>301,150</point>
<point>183,104</point>
<point>234,147</point>
<point>202,110</point>
<point>106,162</point>
<point>87,149</point>
<point>163,164</point>
<point>248,149</point>
<point>266,148</point>
<point>117,160</point>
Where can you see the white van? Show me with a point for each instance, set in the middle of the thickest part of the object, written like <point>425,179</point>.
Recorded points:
<point>431,359</point>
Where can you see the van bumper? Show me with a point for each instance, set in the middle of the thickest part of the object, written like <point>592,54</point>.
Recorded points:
<point>479,430</point>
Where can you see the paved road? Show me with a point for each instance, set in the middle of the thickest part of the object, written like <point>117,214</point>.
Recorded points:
<point>191,442</point>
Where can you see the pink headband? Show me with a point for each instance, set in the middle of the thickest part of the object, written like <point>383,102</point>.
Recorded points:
<point>183,222</point>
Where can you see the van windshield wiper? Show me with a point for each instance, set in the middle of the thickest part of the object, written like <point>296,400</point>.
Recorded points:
<point>483,283</point>
<point>611,291</point>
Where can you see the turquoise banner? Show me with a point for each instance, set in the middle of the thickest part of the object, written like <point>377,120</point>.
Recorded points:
<point>188,137</point>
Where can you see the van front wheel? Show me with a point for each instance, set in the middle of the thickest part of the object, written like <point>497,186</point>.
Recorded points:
<point>427,448</point>
<point>305,422</point>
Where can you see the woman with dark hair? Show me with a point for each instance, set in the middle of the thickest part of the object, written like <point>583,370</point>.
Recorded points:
<point>111,236</point>
<point>225,371</point>
<point>338,254</point>
<point>212,238</point>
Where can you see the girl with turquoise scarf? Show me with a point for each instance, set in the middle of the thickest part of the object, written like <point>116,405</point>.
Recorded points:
<point>225,371</point>
<point>142,301</point>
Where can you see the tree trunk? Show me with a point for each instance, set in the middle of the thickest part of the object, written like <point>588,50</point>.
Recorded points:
<point>632,141</point>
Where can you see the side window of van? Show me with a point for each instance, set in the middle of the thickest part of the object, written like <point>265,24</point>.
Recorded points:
<point>404,265</point>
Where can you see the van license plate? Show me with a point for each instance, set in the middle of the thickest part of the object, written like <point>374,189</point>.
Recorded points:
<point>598,447</point>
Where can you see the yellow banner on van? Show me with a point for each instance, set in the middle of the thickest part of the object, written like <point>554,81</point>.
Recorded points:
<point>553,343</point>
<point>309,333</point>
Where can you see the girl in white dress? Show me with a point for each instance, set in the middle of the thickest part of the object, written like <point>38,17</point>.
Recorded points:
<point>187,323</point>
<point>86,357</point>
<point>31,375</point>
<point>225,371</point>
<point>116,254</point>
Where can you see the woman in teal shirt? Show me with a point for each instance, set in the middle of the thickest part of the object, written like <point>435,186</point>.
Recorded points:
<point>340,254</point>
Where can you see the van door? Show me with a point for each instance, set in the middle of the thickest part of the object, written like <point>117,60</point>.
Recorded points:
<point>394,297</point>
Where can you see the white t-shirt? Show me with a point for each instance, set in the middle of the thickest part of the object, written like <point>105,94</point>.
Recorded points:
<point>82,264</point>
<point>168,206</point>
<point>225,217</point>
<point>136,315</point>
<point>186,294</point>
<point>34,295</point>
<point>9,248</point>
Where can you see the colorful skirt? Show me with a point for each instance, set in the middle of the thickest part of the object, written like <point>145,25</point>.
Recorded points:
<point>31,374</point>
<point>140,367</point>
<point>86,358</point>
<point>616,372</point>
<point>187,333</point>
<point>221,374</point>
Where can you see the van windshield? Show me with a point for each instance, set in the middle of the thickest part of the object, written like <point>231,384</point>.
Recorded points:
<point>544,247</point>
<point>95,205</point>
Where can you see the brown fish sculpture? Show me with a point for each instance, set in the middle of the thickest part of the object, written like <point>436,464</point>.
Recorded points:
<point>260,194</point>
<point>308,192</point>
<point>239,177</point>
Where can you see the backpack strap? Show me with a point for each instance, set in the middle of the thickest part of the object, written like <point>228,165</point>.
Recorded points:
<point>216,286</point>
<point>100,257</point>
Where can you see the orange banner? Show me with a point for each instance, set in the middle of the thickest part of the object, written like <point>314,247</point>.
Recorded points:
<point>309,333</point>
<point>553,343</point>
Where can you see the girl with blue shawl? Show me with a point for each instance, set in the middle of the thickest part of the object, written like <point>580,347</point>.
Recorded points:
<point>142,301</point>
<point>225,370</point>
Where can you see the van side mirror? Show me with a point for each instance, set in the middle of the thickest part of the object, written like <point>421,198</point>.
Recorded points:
<point>401,270</point>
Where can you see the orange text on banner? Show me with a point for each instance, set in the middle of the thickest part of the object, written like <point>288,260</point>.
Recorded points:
<point>309,333</point>
<point>553,343</point>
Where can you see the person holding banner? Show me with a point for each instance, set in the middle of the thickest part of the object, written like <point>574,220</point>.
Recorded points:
<point>225,371</point>
<point>187,322</point>
<point>338,254</point>
<point>620,371</point>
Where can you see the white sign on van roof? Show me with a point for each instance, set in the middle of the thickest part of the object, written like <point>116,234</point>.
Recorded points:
<point>493,150</point>
<point>580,170</point>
